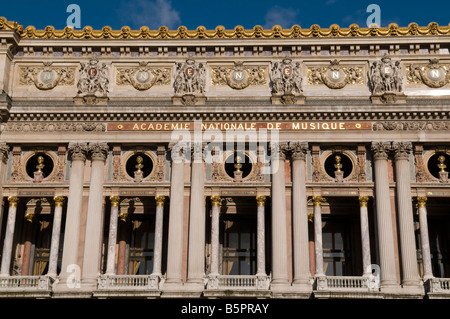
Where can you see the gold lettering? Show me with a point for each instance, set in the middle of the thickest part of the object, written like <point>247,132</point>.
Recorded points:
<point>158,126</point>
<point>143,126</point>
<point>326,126</point>
<point>333,126</point>
<point>277,126</point>
<point>136,126</point>
<point>295,126</point>
<point>341,126</point>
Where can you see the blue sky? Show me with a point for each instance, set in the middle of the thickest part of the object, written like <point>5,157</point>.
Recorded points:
<point>228,13</point>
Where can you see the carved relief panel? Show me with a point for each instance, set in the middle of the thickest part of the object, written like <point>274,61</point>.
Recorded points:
<point>335,76</point>
<point>46,77</point>
<point>433,74</point>
<point>238,77</point>
<point>143,77</point>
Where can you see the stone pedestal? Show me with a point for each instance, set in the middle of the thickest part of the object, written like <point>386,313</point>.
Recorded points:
<point>443,177</point>
<point>138,176</point>
<point>288,99</point>
<point>237,176</point>
<point>388,98</point>
<point>90,99</point>
<point>189,99</point>
<point>339,176</point>
<point>38,177</point>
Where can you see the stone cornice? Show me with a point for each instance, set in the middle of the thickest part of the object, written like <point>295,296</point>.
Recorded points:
<point>258,32</point>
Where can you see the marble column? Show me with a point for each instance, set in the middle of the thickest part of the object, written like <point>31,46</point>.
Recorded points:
<point>95,212</point>
<point>77,152</point>
<point>196,256</point>
<point>300,216</point>
<point>27,234</point>
<point>157,250</point>
<point>56,234</point>
<point>405,214</point>
<point>279,223</point>
<point>175,238</point>
<point>424,238</point>
<point>260,237</point>
<point>384,215</point>
<point>4,149</point>
<point>9,236</point>
<point>318,248</point>
<point>112,236</point>
<point>215,215</point>
<point>365,235</point>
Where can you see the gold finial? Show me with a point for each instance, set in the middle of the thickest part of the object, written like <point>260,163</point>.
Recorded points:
<point>338,164</point>
<point>215,200</point>
<point>13,201</point>
<point>59,201</point>
<point>422,200</point>
<point>160,200</point>
<point>139,161</point>
<point>441,164</point>
<point>260,200</point>
<point>114,200</point>
<point>363,200</point>
<point>40,165</point>
<point>238,164</point>
<point>317,200</point>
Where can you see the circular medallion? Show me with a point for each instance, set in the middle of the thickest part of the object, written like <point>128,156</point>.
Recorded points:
<point>386,70</point>
<point>47,76</point>
<point>92,72</point>
<point>239,76</point>
<point>336,76</point>
<point>189,71</point>
<point>287,71</point>
<point>143,76</point>
<point>436,74</point>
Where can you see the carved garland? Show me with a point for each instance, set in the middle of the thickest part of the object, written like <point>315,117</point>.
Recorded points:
<point>143,77</point>
<point>47,77</point>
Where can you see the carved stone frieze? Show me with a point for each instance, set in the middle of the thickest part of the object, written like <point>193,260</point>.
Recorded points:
<point>239,76</point>
<point>54,127</point>
<point>46,77</point>
<point>286,82</point>
<point>190,78</point>
<point>335,76</point>
<point>93,85</point>
<point>143,77</point>
<point>386,81</point>
<point>412,126</point>
<point>434,75</point>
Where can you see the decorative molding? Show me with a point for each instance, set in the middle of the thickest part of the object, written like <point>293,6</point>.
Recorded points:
<point>54,127</point>
<point>46,77</point>
<point>412,126</point>
<point>335,76</point>
<point>239,76</point>
<point>143,77</point>
<point>433,74</point>
<point>239,32</point>
<point>420,169</point>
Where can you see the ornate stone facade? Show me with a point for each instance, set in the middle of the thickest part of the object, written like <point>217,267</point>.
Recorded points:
<point>188,146</point>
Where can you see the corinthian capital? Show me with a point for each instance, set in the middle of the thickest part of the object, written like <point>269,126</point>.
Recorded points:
<point>299,150</point>
<point>381,150</point>
<point>401,149</point>
<point>98,151</point>
<point>279,149</point>
<point>4,149</point>
<point>78,151</point>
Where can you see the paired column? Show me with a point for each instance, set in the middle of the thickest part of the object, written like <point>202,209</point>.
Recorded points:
<point>77,152</point>
<point>260,237</point>
<point>318,248</point>
<point>157,250</point>
<point>405,214</point>
<point>196,260</point>
<point>112,239</point>
<point>9,236</point>
<point>365,237</point>
<point>4,149</point>
<point>384,214</point>
<point>279,239</point>
<point>215,214</point>
<point>300,216</point>
<point>175,238</point>
<point>94,233</point>
<point>56,233</point>
<point>426,254</point>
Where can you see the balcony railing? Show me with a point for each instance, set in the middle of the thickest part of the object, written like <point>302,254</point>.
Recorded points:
<point>222,282</point>
<point>128,282</point>
<point>438,285</point>
<point>29,283</point>
<point>347,283</point>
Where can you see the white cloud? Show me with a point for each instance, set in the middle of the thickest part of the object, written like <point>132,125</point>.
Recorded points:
<point>277,15</point>
<point>151,13</point>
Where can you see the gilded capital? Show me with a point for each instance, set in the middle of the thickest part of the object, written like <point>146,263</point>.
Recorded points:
<point>13,201</point>
<point>59,201</point>
<point>317,200</point>
<point>363,200</point>
<point>160,200</point>
<point>261,200</point>
<point>422,201</point>
<point>215,200</point>
<point>114,200</point>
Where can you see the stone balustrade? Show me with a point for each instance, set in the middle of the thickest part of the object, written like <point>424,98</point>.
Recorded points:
<point>255,282</point>
<point>128,282</point>
<point>353,283</point>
